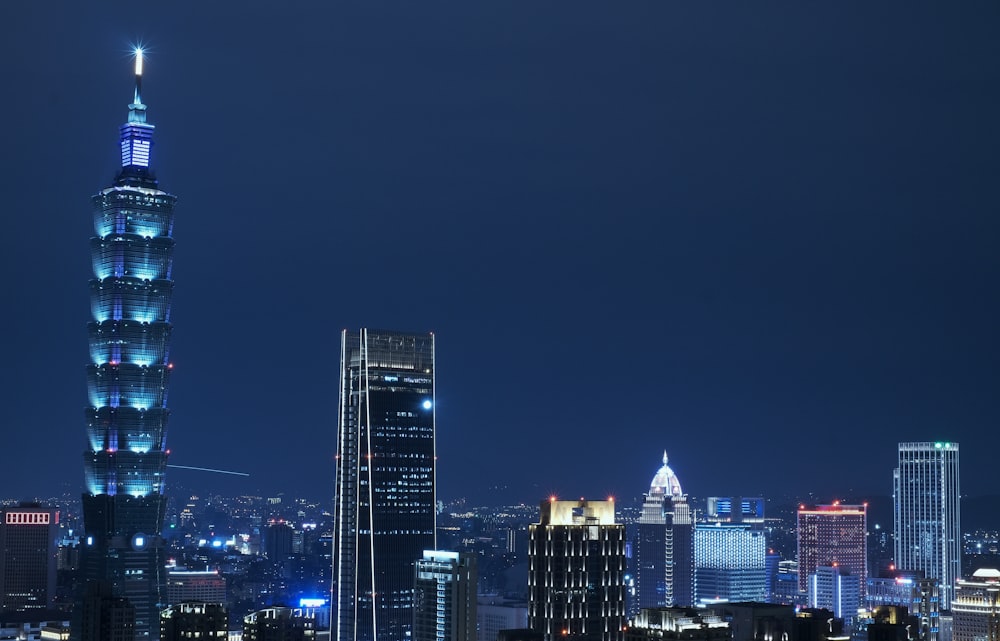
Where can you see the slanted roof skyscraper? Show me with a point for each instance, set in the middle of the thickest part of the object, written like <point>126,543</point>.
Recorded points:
<point>385,514</point>
<point>129,332</point>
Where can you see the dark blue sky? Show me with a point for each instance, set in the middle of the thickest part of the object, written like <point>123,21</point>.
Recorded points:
<point>760,235</point>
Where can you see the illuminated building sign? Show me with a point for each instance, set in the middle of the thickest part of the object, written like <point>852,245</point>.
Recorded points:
<point>27,518</point>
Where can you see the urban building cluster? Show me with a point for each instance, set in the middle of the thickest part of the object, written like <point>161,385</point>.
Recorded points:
<point>386,561</point>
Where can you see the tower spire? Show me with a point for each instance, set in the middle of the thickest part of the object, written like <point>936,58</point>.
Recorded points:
<point>136,135</point>
<point>137,100</point>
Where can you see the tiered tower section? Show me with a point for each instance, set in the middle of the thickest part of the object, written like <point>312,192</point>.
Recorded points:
<point>128,376</point>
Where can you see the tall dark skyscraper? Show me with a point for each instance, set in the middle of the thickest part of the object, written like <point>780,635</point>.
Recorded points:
<point>27,557</point>
<point>385,501</point>
<point>126,416</point>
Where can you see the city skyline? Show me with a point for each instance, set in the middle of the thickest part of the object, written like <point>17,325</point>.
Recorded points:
<point>774,231</point>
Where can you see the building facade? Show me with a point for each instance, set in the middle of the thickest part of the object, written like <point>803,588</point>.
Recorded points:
<point>279,624</point>
<point>196,620</point>
<point>834,588</point>
<point>833,535</point>
<point>444,599</point>
<point>664,545</point>
<point>207,586</point>
<point>976,607</point>
<point>730,562</point>
<point>127,378</point>
<point>28,556</point>
<point>576,572</point>
<point>385,513</point>
<point>678,624</point>
<point>927,515</point>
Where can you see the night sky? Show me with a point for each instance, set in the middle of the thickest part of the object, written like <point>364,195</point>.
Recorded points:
<point>760,235</point>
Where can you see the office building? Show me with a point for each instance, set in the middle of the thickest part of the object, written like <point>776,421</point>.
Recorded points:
<point>28,557</point>
<point>576,571</point>
<point>833,535</point>
<point>664,545</point>
<point>203,621</point>
<point>834,588</point>
<point>385,513</point>
<point>444,598</point>
<point>976,607</point>
<point>678,624</point>
<point>925,604</point>
<point>127,378</point>
<point>729,562</point>
<point>927,516</point>
<point>184,586</point>
<point>279,624</point>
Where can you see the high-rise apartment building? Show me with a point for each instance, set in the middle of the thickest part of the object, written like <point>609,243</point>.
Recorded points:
<point>976,607</point>
<point>576,572</point>
<point>385,504</point>
<point>28,557</point>
<point>444,600</point>
<point>927,518</point>
<point>664,545</point>
<point>127,378</point>
<point>833,535</point>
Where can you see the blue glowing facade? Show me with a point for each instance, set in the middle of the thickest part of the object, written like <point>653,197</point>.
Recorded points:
<point>126,415</point>
<point>385,504</point>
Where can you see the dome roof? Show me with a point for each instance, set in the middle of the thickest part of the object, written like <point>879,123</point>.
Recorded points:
<point>665,481</point>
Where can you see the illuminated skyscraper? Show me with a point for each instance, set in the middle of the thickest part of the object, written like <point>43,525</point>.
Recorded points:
<point>445,607</point>
<point>129,332</point>
<point>729,562</point>
<point>664,545</point>
<point>928,535</point>
<point>385,504</point>
<point>835,536</point>
<point>576,572</point>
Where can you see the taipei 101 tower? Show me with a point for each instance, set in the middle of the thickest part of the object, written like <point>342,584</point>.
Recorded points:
<point>122,555</point>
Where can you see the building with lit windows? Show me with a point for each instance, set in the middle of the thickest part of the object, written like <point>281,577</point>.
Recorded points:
<point>678,624</point>
<point>664,545</point>
<point>207,586</point>
<point>203,621</point>
<point>976,607</point>
<point>385,513</point>
<point>444,600</point>
<point>127,378</point>
<point>28,556</point>
<point>279,624</point>
<point>834,588</point>
<point>833,535</point>
<point>730,562</point>
<point>927,516</point>
<point>576,572</point>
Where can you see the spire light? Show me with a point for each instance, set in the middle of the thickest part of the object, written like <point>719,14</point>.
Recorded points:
<point>138,61</point>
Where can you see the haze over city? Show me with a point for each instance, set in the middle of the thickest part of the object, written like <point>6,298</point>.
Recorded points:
<point>761,237</point>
